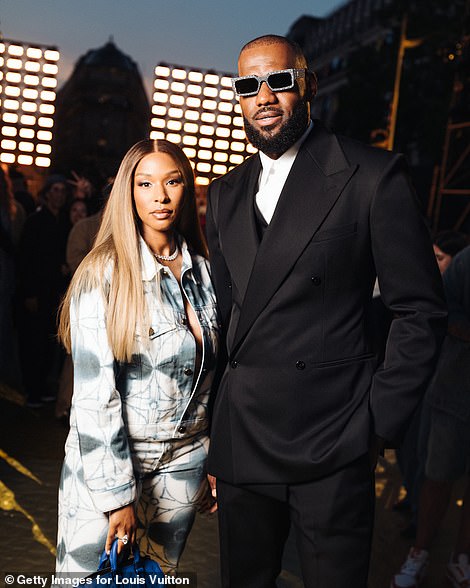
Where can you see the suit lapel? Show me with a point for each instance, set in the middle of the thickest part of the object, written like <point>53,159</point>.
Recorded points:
<point>238,225</point>
<point>316,180</point>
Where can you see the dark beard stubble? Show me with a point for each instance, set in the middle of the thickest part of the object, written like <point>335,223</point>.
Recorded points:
<point>285,137</point>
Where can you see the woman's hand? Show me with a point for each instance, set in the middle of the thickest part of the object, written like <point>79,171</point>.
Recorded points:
<point>122,521</point>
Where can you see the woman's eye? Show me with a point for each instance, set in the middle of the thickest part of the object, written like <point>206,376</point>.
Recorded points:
<point>144,184</point>
<point>174,182</point>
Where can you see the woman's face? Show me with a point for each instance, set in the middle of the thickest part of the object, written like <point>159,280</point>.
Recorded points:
<point>158,193</point>
<point>443,259</point>
<point>77,212</point>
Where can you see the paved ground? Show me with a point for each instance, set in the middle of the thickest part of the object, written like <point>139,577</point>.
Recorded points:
<point>28,509</point>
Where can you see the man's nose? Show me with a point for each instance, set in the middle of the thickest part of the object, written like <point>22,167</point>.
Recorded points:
<point>265,95</point>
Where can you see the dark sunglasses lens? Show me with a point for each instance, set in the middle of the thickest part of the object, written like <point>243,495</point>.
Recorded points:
<point>280,80</point>
<point>246,86</point>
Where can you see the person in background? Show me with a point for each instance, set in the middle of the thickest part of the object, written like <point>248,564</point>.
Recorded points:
<point>77,211</point>
<point>43,280</point>
<point>83,189</point>
<point>448,443</point>
<point>411,454</point>
<point>79,244</point>
<point>446,245</point>
<point>140,320</point>
<point>12,219</point>
<point>21,192</point>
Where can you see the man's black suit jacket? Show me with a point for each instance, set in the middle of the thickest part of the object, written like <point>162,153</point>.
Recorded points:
<point>302,393</point>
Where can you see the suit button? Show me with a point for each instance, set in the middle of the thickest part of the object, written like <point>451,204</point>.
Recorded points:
<point>316,280</point>
<point>229,285</point>
<point>182,429</point>
<point>300,365</point>
<point>188,372</point>
<point>234,364</point>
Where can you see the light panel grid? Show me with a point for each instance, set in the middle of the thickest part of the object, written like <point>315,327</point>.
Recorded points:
<point>198,109</point>
<point>28,82</point>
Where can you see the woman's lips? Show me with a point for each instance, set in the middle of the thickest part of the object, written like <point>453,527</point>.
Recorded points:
<point>161,214</point>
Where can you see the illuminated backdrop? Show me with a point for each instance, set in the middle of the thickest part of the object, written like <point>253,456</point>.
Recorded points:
<point>197,109</point>
<point>28,80</point>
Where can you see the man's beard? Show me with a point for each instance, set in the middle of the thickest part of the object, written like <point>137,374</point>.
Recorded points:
<point>285,136</point>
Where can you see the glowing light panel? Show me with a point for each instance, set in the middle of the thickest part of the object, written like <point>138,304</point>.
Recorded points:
<point>208,117</point>
<point>27,110</point>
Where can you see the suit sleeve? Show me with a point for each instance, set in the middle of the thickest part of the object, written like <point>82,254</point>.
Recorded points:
<point>104,447</point>
<point>411,288</point>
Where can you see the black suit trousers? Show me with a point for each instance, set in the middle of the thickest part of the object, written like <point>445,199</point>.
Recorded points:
<point>332,519</point>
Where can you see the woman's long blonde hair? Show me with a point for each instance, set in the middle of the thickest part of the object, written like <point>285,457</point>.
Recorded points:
<point>117,245</point>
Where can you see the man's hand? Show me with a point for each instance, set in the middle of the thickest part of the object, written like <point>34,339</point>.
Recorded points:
<point>213,489</point>
<point>122,521</point>
<point>376,448</point>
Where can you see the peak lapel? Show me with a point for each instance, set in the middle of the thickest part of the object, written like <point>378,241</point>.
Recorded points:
<point>238,226</point>
<point>316,180</point>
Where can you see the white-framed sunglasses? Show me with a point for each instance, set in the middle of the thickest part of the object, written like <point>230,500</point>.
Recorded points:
<point>277,81</point>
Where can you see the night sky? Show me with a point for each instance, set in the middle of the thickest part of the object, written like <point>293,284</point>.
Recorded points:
<point>197,33</point>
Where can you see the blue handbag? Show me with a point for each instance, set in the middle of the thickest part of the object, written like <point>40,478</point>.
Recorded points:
<point>135,571</point>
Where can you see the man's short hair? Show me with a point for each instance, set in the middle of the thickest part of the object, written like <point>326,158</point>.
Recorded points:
<point>300,59</point>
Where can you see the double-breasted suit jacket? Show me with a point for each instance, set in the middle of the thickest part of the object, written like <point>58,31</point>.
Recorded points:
<point>302,392</point>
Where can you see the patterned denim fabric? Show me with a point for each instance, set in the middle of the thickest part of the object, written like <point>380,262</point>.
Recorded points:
<point>166,507</point>
<point>124,415</point>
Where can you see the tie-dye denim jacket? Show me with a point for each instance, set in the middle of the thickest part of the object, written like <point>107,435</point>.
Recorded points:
<point>118,408</point>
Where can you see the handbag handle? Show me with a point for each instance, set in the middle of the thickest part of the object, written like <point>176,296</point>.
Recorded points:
<point>113,558</point>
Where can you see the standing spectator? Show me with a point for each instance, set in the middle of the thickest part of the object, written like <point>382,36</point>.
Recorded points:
<point>411,454</point>
<point>446,245</point>
<point>83,189</point>
<point>12,218</point>
<point>78,210</point>
<point>43,278</point>
<point>79,244</point>
<point>21,192</point>
<point>448,451</point>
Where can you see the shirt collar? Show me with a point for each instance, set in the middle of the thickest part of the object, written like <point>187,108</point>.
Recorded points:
<point>287,157</point>
<point>150,264</point>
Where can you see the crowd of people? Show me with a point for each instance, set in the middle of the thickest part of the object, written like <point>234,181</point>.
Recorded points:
<point>36,267</point>
<point>269,338</point>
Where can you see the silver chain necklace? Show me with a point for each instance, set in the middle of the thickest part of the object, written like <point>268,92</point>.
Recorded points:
<point>170,257</point>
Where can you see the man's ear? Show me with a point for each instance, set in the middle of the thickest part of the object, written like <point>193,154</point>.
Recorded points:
<point>311,83</point>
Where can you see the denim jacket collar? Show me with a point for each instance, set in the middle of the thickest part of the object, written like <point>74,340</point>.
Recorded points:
<point>150,264</point>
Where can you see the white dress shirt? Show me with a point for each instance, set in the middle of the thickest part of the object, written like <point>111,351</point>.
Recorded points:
<point>274,175</point>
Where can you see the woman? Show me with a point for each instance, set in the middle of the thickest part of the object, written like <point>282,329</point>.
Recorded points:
<point>446,245</point>
<point>141,321</point>
<point>78,210</point>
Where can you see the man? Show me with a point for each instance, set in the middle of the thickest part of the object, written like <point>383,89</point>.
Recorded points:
<point>448,448</point>
<point>297,235</point>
